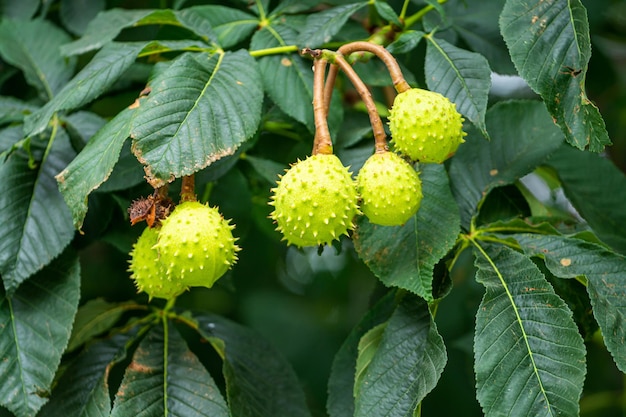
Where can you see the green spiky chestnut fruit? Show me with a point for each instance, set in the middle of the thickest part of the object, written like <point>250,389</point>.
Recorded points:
<point>425,126</point>
<point>196,244</point>
<point>315,201</point>
<point>147,271</point>
<point>390,189</point>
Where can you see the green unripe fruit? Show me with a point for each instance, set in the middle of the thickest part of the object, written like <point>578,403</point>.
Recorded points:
<point>196,244</point>
<point>147,271</point>
<point>425,126</point>
<point>390,189</point>
<point>315,201</point>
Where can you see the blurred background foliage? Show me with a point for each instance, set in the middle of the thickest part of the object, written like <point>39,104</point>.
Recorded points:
<point>303,301</point>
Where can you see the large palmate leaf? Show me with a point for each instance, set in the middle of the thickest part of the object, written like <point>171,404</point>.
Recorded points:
<point>342,375</point>
<point>550,47</point>
<point>33,46</point>
<point>36,223</point>
<point>105,68</point>
<point>201,109</point>
<point>259,381</point>
<point>463,77</point>
<point>166,379</point>
<point>568,258</point>
<point>404,256</point>
<point>83,390</point>
<point>529,357</point>
<point>598,191</point>
<point>288,79</point>
<point>94,164</point>
<point>406,366</point>
<point>35,325</point>
<point>322,26</point>
<point>522,135</point>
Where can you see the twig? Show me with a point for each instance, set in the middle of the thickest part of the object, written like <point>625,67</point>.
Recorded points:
<point>187,190</point>
<point>390,62</point>
<point>380,136</point>
<point>322,143</point>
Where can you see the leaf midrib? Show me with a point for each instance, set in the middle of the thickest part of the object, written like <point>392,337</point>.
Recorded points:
<point>518,318</point>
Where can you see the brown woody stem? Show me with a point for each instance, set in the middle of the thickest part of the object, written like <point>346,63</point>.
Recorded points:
<point>330,85</point>
<point>390,62</point>
<point>188,189</point>
<point>322,144</point>
<point>378,129</point>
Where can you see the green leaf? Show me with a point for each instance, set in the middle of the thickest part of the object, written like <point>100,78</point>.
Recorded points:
<point>503,203</point>
<point>259,384</point>
<point>288,78</point>
<point>259,7</point>
<point>10,137</point>
<point>82,126</point>
<point>19,9</point>
<point>35,325</point>
<point>93,165</point>
<point>477,24</point>
<point>198,21</point>
<point>166,377</point>
<point>293,6</point>
<point>322,26</point>
<point>14,110</point>
<point>529,358</point>
<point>126,173</point>
<point>575,295</point>
<point>385,11</point>
<point>266,168</point>
<point>480,165</point>
<point>355,127</point>
<point>201,109</point>
<point>597,192</point>
<point>33,46</point>
<point>106,67</point>
<point>230,26</point>
<point>368,345</point>
<point>108,24</point>
<point>407,41</point>
<point>463,77</point>
<point>437,6</point>
<point>96,317</point>
<point>407,364</point>
<point>83,389</point>
<point>36,223</point>
<point>550,47</point>
<point>568,257</point>
<point>76,14</point>
<point>404,256</point>
<point>340,401</point>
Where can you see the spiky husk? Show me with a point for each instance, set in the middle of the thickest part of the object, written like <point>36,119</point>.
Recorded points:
<point>147,271</point>
<point>315,201</point>
<point>425,126</point>
<point>390,189</point>
<point>196,244</point>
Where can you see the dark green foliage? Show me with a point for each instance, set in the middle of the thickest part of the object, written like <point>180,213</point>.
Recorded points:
<point>500,296</point>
